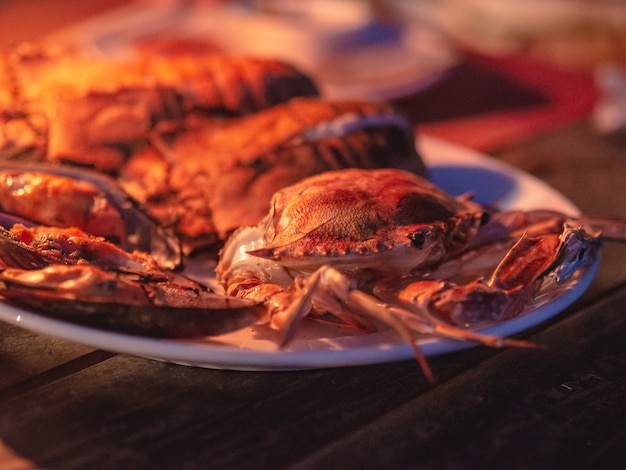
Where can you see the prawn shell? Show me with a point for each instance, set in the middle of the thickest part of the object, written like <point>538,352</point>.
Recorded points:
<point>143,232</point>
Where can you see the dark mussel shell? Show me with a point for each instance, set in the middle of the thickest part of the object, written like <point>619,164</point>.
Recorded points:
<point>154,321</point>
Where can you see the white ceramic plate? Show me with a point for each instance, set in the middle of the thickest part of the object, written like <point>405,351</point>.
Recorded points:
<point>457,170</point>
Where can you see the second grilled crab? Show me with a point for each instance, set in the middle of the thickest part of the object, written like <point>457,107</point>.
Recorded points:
<point>347,246</point>
<point>205,183</point>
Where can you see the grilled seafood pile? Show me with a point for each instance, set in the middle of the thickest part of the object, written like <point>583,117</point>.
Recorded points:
<point>350,248</point>
<point>110,184</point>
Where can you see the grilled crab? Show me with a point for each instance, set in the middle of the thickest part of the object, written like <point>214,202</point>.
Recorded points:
<point>333,244</point>
<point>57,104</point>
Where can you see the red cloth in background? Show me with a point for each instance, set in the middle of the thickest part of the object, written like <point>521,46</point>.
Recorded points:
<point>486,103</point>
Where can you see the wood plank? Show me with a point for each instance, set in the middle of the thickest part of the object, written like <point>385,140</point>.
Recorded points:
<point>24,355</point>
<point>585,166</point>
<point>154,412</point>
<point>542,409</point>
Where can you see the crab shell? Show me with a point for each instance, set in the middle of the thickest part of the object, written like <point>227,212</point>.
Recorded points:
<point>388,220</point>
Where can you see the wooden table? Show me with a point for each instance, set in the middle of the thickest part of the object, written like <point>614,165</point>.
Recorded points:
<point>63,405</point>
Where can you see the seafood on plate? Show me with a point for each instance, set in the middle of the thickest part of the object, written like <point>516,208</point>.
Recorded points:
<point>207,182</point>
<point>352,248</point>
<point>58,104</point>
<point>320,207</point>
<point>351,245</point>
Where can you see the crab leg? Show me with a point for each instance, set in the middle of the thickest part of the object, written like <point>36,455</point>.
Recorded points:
<point>366,304</point>
<point>307,296</point>
<point>539,222</point>
<point>328,286</point>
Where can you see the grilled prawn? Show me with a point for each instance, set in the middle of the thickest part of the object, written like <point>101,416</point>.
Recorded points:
<point>335,242</point>
<point>58,105</point>
<point>60,196</point>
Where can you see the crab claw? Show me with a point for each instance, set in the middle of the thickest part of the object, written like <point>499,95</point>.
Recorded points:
<point>577,249</point>
<point>516,280</point>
